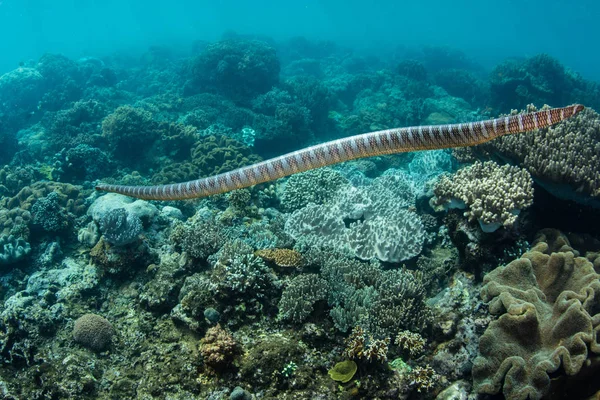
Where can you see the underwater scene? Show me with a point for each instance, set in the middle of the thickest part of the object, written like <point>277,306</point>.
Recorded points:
<point>237,200</point>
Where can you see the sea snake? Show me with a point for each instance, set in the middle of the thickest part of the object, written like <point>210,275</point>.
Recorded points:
<point>370,144</point>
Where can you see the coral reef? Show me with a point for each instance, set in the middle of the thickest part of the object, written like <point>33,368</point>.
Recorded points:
<point>131,132</point>
<point>540,79</point>
<point>335,283</point>
<point>240,69</point>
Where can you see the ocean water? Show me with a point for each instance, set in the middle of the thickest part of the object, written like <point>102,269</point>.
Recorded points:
<point>188,209</point>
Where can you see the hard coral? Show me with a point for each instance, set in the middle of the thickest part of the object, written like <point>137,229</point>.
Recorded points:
<point>131,132</point>
<point>210,156</point>
<point>547,302</point>
<point>361,345</point>
<point>540,79</point>
<point>299,297</point>
<point>565,158</point>
<point>93,331</point>
<point>120,227</point>
<point>315,186</point>
<point>281,257</point>
<point>239,68</point>
<point>493,195</point>
<point>411,342</point>
<point>199,237</point>
<point>49,215</point>
<point>218,348</point>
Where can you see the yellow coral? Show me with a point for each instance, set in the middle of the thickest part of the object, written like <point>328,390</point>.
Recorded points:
<point>281,257</point>
<point>343,371</point>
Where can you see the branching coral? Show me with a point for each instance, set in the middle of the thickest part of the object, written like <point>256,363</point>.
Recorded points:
<point>547,302</point>
<point>493,195</point>
<point>218,348</point>
<point>316,186</point>
<point>411,342</point>
<point>362,345</point>
<point>565,158</point>
<point>299,297</point>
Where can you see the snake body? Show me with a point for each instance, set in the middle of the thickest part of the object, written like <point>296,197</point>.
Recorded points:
<point>370,144</point>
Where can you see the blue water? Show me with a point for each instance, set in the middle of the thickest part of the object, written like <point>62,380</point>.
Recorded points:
<point>486,31</point>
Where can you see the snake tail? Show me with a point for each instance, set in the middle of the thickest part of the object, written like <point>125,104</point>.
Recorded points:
<point>370,144</point>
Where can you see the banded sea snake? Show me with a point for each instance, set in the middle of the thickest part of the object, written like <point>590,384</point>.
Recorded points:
<point>370,144</point>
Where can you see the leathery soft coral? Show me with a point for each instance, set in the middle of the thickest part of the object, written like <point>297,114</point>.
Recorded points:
<point>548,324</point>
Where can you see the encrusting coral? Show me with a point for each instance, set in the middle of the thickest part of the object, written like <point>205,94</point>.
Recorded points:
<point>493,195</point>
<point>548,325</point>
<point>281,257</point>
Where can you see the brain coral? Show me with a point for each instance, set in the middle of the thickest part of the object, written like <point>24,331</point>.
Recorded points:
<point>547,302</point>
<point>93,331</point>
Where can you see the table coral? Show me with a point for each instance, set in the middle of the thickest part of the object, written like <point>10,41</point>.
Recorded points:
<point>547,302</point>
